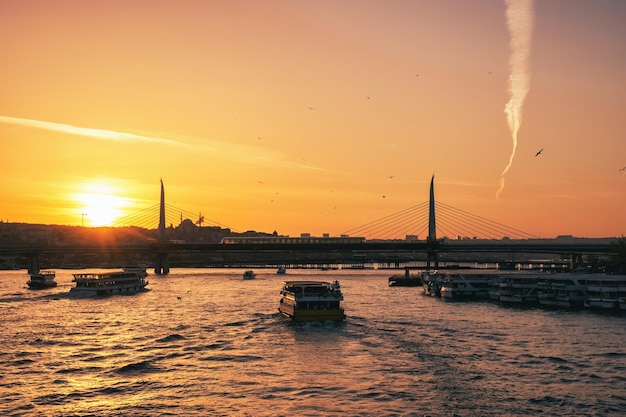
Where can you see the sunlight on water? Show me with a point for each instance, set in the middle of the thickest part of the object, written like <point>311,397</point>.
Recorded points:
<point>206,342</point>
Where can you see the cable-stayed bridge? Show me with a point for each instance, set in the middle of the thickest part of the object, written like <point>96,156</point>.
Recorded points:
<point>392,239</point>
<point>413,222</point>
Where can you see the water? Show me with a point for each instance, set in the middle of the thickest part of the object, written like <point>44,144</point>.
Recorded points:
<point>204,342</point>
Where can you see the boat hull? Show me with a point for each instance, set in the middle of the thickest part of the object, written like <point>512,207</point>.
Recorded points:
<point>40,286</point>
<point>302,315</point>
<point>120,290</point>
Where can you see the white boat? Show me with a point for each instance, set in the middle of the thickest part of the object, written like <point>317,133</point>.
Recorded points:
<point>311,301</point>
<point>562,290</point>
<point>108,283</point>
<point>41,280</point>
<point>519,288</point>
<point>466,285</point>
<point>249,274</point>
<point>605,291</point>
<point>494,288</point>
<point>431,283</point>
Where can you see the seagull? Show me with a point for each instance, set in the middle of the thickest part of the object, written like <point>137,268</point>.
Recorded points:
<point>622,169</point>
<point>539,152</point>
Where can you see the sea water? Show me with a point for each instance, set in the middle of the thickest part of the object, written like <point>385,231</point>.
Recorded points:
<point>205,342</point>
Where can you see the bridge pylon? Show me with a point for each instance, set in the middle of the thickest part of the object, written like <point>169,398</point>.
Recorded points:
<point>161,266</point>
<point>431,253</point>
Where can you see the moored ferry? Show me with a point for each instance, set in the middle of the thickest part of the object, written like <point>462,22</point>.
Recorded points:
<point>562,290</point>
<point>431,283</point>
<point>311,301</point>
<point>41,280</point>
<point>108,283</point>
<point>519,288</point>
<point>466,285</point>
<point>605,291</point>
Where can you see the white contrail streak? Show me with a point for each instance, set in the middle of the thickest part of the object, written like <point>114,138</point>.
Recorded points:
<point>84,131</point>
<point>243,153</point>
<point>519,19</point>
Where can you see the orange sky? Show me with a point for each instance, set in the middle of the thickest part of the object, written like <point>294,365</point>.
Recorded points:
<point>294,115</point>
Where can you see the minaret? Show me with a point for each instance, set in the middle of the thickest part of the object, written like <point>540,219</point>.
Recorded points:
<point>432,229</point>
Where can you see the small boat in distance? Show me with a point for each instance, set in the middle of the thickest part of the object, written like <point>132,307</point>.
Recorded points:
<point>281,270</point>
<point>41,280</point>
<point>108,283</point>
<point>249,274</point>
<point>311,301</point>
<point>405,280</point>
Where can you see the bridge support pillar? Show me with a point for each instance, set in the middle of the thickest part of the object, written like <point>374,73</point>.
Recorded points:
<point>33,263</point>
<point>432,259</point>
<point>161,267</point>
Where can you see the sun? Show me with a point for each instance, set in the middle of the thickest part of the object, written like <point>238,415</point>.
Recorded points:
<point>100,205</point>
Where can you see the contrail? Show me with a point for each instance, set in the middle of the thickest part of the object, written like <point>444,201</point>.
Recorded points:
<point>519,20</point>
<point>84,131</point>
<point>248,154</point>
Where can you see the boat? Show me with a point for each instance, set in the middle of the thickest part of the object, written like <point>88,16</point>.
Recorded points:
<point>281,270</point>
<point>41,280</point>
<point>605,291</point>
<point>405,280</point>
<point>466,285</point>
<point>494,288</point>
<point>307,301</point>
<point>562,290</point>
<point>519,288</point>
<point>249,274</point>
<point>431,283</point>
<point>108,283</point>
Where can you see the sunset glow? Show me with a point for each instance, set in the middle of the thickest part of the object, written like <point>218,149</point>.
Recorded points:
<point>307,117</point>
<point>99,205</point>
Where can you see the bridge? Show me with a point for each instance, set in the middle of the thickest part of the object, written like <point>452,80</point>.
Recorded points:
<point>348,251</point>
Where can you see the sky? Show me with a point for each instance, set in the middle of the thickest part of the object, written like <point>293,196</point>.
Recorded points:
<point>313,116</point>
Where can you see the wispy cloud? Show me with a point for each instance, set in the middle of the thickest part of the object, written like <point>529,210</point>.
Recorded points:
<point>243,153</point>
<point>85,131</point>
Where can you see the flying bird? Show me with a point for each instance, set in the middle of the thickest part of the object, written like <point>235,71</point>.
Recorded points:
<point>539,152</point>
<point>622,169</point>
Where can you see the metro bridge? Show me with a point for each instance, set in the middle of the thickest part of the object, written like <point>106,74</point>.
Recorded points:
<point>348,251</point>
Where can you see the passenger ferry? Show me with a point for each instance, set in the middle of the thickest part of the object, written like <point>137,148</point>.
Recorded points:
<point>108,283</point>
<point>466,285</point>
<point>311,301</point>
<point>494,288</point>
<point>44,279</point>
<point>562,290</point>
<point>431,283</point>
<point>605,291</point>
<point>519,288</point>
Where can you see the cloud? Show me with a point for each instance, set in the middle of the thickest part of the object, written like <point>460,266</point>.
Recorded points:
<point>85,131</point>
<point>242,153</point>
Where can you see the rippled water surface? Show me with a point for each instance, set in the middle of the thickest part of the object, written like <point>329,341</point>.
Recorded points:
<point>205,342</point>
